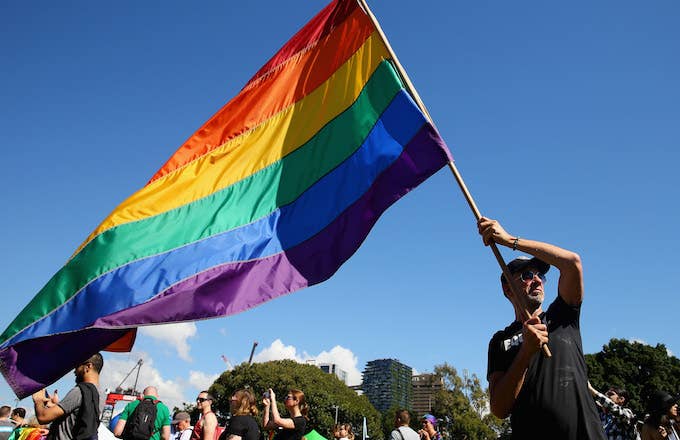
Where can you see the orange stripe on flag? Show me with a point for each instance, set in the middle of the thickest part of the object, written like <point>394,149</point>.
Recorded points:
<point>124,344</point>
<point>284,85</point>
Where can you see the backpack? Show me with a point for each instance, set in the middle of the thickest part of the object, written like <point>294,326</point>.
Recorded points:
<point>141,424</point>
<point>87,419</point>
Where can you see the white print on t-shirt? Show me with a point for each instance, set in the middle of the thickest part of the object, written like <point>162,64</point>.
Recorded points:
<point>515,340</point>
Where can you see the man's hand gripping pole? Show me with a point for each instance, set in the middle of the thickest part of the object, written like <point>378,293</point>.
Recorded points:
<point>499,258</point>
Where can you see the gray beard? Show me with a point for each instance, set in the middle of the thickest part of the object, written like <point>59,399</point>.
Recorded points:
<point>533,304</point>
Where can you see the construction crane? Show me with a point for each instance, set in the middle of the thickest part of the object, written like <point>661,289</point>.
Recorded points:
<point>252,352</point>
<point>250,359</point>
<point>127,395</point>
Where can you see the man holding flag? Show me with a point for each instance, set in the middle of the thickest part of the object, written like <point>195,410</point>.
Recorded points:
<point>544,397</point>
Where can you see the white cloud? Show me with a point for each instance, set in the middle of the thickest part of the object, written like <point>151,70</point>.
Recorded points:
<point>343,357</point>
<point>117,366</point>
<point>201,380</point>
<point>277,351</point>
<point>174,392</point>
<point>176,335</point>
<point>639,341</point>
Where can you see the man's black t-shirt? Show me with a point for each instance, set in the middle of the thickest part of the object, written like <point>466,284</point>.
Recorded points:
<point>295,433</point>
<point>554,401</point>
<point>243,426</point>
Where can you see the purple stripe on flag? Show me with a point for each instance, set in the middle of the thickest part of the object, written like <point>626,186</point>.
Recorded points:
<point>27,374</point>
<point>234,287</point>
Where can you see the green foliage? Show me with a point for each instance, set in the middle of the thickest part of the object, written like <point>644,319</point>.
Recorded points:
<point>322,392</point>
<point>639,368</point>
<point>463,406</point>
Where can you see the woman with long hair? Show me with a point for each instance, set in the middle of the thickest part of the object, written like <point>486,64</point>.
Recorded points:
<point>345,431</point>
<point>293,427</point>
<point>242,425</point>
<point>662,408</point>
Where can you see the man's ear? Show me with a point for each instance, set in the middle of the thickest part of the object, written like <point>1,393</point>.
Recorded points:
<point>506,290</point>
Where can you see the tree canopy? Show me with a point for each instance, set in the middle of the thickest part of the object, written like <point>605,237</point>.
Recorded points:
<point>322,392</point>
<point>462,406</point>
<point>637,367</point>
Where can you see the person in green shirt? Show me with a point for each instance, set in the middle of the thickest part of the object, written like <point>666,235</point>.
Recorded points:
<point>162,423</point>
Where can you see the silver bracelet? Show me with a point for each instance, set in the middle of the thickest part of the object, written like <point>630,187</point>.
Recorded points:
<point>514,245</point>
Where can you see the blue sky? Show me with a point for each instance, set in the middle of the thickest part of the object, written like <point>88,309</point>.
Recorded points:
<point>563,119</point>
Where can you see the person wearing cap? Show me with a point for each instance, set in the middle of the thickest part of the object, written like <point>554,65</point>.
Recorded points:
<point>544,397</point>
<point>429,431</point>
<point>662,409</point>
<point>182,424</point>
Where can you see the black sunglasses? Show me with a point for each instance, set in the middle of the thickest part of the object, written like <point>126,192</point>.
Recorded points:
<point>528,275</point>
<point>201,399</point>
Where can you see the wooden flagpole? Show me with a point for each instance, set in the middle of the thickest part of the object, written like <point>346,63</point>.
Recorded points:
<point>452,166</point>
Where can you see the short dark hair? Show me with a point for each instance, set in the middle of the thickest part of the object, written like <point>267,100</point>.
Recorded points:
<point>21,412</point>
<point>97,362</point>
<point>210,396</point>
<point>402,416</point>
<point>621,392</point>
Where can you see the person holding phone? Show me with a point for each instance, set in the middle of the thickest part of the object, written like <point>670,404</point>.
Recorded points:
<point>293,427</point>
<point>77,415</point>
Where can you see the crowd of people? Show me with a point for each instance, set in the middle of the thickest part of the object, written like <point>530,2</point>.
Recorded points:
<point>618,422</point>
<point>76,416</point>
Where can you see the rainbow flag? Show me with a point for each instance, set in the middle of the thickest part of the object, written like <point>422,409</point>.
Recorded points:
<point>272,194</point>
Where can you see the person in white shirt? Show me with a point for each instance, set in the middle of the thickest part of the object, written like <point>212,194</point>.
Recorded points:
<point>182,422</point>
<point>401,429</point>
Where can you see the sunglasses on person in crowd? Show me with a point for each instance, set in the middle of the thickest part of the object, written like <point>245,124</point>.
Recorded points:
<point>201,399</point>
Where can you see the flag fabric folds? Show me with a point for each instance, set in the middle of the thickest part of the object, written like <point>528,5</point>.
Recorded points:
<point>272,194</point>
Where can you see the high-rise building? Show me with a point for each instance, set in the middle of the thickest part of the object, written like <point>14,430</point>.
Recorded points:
<point>330,369</point>
<point>425,386</point>
<point>387,383</point>
<point>334,369</point>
